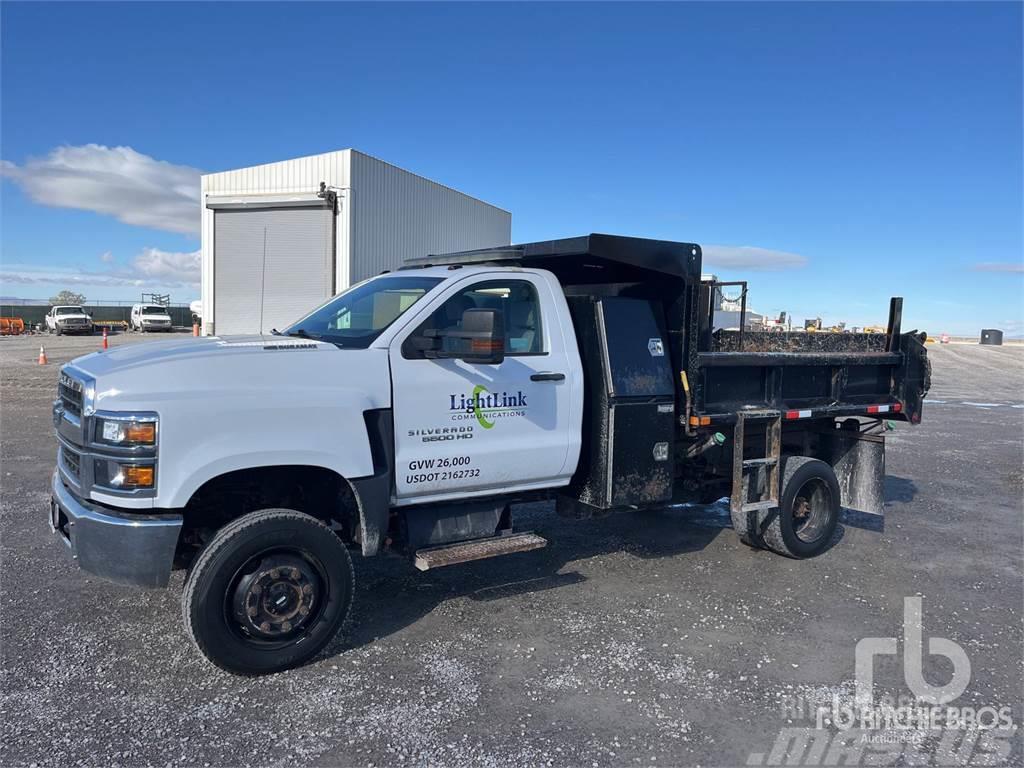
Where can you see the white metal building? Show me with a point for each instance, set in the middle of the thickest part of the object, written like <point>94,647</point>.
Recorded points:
<point>274,246</point>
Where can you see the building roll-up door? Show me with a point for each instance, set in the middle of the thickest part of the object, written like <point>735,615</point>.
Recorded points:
<point>270,265</point>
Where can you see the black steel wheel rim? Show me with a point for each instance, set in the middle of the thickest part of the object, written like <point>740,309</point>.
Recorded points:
<point>812,506</point>
<point>276,597</point>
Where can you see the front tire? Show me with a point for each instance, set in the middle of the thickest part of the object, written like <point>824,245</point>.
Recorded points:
<point>268,593</point>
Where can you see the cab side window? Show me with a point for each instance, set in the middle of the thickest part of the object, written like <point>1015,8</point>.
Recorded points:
<point>518,302</point>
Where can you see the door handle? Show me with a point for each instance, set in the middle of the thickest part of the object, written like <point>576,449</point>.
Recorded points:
<point>547,377</point>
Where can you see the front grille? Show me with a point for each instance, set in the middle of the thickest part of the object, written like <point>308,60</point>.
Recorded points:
<point>70,392</point>
<point>72,461</point>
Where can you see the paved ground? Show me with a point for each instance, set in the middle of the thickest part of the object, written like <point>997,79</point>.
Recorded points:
<point>641,639</point>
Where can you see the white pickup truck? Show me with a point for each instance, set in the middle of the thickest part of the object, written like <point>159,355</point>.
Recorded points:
<point>68,319</point>
<point>411,412</point>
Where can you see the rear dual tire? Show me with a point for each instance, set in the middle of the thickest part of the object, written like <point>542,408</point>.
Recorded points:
<point>804,523</point>
<point>268,592</point>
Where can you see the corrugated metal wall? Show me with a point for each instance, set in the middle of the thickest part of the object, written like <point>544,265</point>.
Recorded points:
<point>397,215</point>
<point>303,174</point>
<point>298,176</point>
<point>385,214</point>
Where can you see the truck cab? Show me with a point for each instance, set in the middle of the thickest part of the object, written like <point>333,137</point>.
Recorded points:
<point>410,414</point>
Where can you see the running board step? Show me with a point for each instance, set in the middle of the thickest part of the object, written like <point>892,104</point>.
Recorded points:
<point>438,557</point>
<point>756,505</point>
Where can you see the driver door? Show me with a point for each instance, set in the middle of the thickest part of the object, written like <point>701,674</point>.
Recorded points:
<point>473,428</point>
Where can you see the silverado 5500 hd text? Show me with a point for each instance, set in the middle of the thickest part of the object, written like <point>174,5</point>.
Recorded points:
<point>412,411</point>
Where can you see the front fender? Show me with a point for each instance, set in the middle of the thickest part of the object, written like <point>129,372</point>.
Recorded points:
<point>194,450</point>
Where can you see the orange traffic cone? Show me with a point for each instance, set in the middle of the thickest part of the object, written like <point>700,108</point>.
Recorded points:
<point>105,344</point>
<point>42,356</point>
<point>195,329</point>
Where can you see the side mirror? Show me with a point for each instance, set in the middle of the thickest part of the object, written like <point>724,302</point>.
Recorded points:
<point>481,339</point>
<point>483,332</point>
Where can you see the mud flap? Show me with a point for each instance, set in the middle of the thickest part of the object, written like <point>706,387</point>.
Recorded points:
<point>859,463</point>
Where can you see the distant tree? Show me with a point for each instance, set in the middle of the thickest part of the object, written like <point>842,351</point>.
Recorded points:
<point>68,297</point>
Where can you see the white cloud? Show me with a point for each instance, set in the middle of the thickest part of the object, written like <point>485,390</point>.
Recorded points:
<point>18,274</point>
<point>999,266</point>
<point>152,269</point>
<point>115,181</point>
<point>750,257</point>
<point>107,257</point>
<point>168,267</point>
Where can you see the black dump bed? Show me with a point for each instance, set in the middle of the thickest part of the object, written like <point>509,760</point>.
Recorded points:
<point>716,374</point>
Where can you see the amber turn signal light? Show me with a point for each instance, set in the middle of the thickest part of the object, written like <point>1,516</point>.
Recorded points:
<point>137,477</point>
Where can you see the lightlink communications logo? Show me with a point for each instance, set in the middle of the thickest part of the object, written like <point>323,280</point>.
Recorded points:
<point>487,407</point>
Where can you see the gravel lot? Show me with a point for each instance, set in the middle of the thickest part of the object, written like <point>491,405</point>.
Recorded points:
<point>653,639</point>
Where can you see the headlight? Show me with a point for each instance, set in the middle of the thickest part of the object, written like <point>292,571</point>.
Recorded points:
<point>126,432</point>
<point>122,475</point>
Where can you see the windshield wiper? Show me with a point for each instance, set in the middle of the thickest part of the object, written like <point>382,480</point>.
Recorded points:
<point>302,333</point>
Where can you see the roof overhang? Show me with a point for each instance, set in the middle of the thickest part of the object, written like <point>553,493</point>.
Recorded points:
<point>241,202</point>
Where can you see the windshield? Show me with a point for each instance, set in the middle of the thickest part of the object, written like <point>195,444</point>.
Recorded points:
<point>359,315</point>
<point>154,311</point>
<point>70,311</point>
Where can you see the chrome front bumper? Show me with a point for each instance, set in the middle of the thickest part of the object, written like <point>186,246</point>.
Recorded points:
<point>122,547</point>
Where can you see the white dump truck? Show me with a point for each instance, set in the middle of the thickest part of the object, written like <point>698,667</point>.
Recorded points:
<point>412,412</point>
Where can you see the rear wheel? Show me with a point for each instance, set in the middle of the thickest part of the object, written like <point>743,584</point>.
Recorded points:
<point>805,521</point>
<point>268,592</point>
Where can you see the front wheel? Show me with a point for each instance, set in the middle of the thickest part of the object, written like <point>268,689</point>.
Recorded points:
<point>268,592</point>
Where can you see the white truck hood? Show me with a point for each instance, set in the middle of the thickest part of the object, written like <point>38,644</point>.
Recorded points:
<point>150,375</point>
<point>233,403</point>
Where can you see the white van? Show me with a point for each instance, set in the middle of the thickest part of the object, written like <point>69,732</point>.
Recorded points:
<point>150,317</point>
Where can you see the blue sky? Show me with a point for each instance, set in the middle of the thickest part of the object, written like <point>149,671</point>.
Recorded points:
<point>855,150</point>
